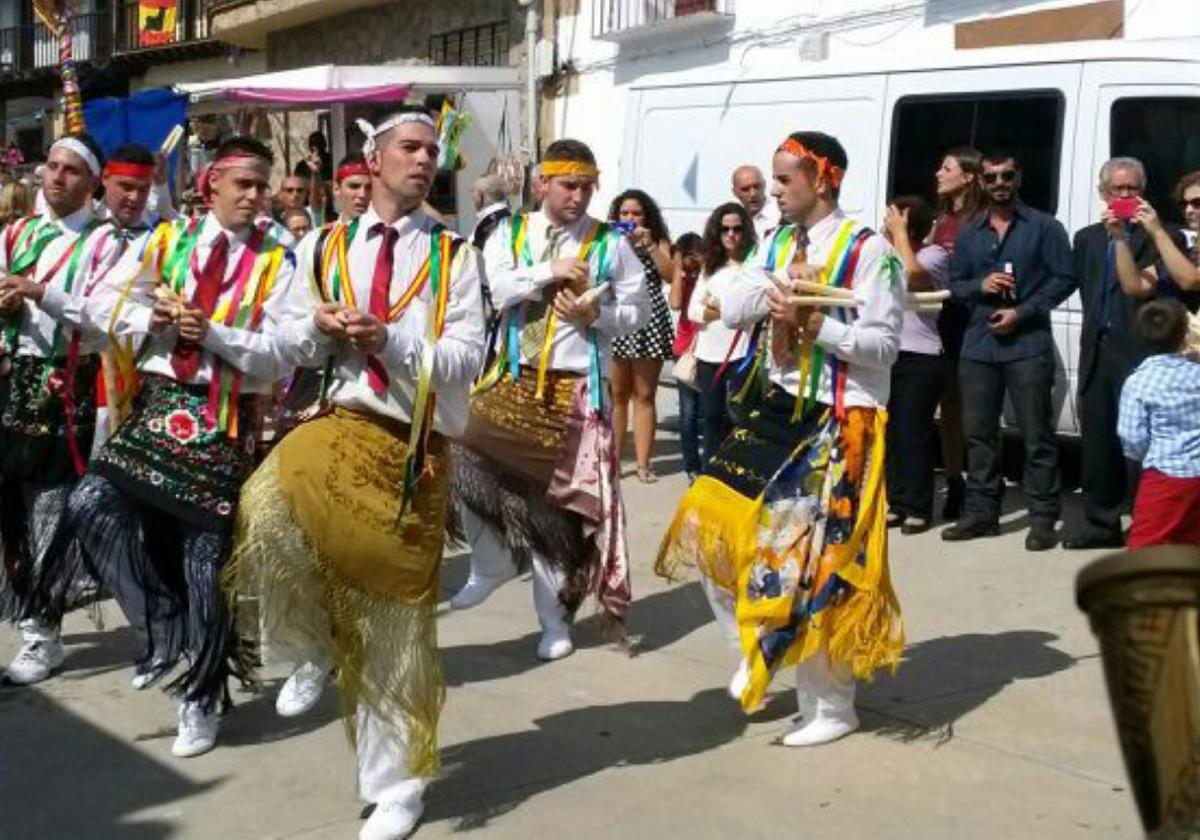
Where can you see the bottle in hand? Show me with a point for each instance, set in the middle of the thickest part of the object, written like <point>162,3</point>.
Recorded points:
<point>1009,296</point>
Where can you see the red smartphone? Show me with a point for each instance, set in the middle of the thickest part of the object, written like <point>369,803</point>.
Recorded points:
<point>1124,208</point>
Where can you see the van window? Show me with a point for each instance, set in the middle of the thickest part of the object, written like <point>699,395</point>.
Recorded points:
<point>1164,134</point>
<point>1027,123</point>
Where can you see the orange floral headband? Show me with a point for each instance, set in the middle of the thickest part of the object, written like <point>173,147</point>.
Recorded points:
<point>833,175</point>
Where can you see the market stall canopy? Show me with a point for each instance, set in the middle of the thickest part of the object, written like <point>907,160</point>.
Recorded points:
<point>329,84</point>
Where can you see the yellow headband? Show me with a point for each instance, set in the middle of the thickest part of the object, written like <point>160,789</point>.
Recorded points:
<point>569,169</point>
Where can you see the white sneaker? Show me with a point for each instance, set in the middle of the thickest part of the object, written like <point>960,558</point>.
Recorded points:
<point>197,731</point>
<point>145,676</point>
<point>301,691</point>
<point>391,821</point>
<point>35,661</point>
<point>822,729</point>
<point>741,679</point>
<point>555,644</point>
<point>478,588</point>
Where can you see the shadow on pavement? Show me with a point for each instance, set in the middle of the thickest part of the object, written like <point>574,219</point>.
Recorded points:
<point>941,680</point>
<point>60,776</point>
<point>573,745</point>
<point>654,622</point>
<point>253,719</point>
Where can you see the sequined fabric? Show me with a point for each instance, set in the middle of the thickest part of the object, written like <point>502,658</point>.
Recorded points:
<point>33,423</point>
<point>321,569</point>
<point>168,457</point>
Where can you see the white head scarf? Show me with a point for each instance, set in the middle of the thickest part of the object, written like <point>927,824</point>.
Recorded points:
<point>374,131</point>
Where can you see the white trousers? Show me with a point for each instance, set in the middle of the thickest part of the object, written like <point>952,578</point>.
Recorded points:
<point>831,688</point>
<point>491,558</point>
<point>383,774</point>
<point>818,682</point>
<point>723,605</point>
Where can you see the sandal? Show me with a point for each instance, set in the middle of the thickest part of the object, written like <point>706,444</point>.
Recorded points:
<point>646,475</point>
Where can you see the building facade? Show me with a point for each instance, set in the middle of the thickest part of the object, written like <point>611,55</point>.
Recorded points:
<point>118,50</point>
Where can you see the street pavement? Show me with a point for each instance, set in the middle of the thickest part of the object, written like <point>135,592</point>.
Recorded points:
<point>996,725</point>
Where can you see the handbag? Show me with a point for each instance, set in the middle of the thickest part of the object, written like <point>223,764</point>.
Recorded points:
<point>686,370</point>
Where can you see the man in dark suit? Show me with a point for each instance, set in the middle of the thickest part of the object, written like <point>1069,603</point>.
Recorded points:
<point>1110,347</point>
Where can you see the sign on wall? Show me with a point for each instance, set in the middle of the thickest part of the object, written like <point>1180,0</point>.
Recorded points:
<point>156,22</point>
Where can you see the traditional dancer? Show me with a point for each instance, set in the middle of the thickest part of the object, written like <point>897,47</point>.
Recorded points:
<point>787,524</point>
<point>128,175</point>
<point>352,187</point>
<point>536,477</point>
<point>48,396</point>
<point>341,529</point>
<point>156,510</point>
<point>303,395</point>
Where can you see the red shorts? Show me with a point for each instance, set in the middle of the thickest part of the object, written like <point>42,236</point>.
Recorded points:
<point>1166,511</point>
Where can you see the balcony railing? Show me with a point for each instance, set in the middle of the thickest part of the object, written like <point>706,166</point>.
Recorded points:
<point>34,47</point>
<point>191,24</point>
<point>617,19</point>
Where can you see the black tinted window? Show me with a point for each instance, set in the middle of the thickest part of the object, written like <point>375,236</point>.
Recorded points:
<point>1027,123</point>
<point>1164,134</point>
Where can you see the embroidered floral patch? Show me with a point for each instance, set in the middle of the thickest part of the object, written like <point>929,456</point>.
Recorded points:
<point>183,426</point>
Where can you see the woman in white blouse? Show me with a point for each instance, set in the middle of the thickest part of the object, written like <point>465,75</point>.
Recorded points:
<point>728,239</point>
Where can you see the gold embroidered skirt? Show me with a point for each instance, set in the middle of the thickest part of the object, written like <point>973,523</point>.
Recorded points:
<point>322,568</point>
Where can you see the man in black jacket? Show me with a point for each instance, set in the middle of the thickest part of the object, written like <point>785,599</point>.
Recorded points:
<point>1110,347</point>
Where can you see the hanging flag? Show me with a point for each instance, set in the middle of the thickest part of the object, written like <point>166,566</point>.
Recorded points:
<point>156,22</point>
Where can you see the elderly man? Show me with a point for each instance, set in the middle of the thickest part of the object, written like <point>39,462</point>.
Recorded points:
<point>491,207</point>
<point>1110,255</point>
<point>750,188</point>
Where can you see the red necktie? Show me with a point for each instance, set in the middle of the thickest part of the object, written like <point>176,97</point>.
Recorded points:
<point>185,361</point>
<point>381,286</point>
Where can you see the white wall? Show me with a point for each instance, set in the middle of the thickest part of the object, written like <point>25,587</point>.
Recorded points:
<point>768,35</point>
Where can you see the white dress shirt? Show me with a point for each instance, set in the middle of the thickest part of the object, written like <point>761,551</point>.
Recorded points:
<point>765,222</point>
<point>869,342</point>
<point>715,338</point>
<point>624,304</point>
<point>252,351</point>
<point>458,355</point>
<point>39,321</point>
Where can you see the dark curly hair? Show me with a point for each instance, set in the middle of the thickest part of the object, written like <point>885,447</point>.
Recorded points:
<point>715,255</point>
<point>654,218</point>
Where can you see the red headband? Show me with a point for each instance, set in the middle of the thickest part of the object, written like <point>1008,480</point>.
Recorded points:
<point>124,169</point>
<point>832,174</point>
<point>350,170</point>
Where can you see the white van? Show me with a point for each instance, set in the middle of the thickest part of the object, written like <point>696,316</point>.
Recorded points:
<point>1063,108</point>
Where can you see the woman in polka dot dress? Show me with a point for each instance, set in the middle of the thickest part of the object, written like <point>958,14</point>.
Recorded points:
<point>638,357</point>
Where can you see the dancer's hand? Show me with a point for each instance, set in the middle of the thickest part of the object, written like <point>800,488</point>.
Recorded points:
<point>572,273</point>
<point>568,307</point>
<point>193,325</point>
<point>330,320</point>
<point>165,314</point>
<point>784,310</point>
<point>366,332</point>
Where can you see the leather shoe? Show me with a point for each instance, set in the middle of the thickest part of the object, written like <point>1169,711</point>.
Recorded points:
<point>914,525</point>
<point>970,528</point>
<point>1094,538</point>
<point>1041,537</point>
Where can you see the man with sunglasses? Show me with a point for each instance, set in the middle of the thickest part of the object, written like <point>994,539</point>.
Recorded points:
<point>1111,255</point>
<point>1012,267</point>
